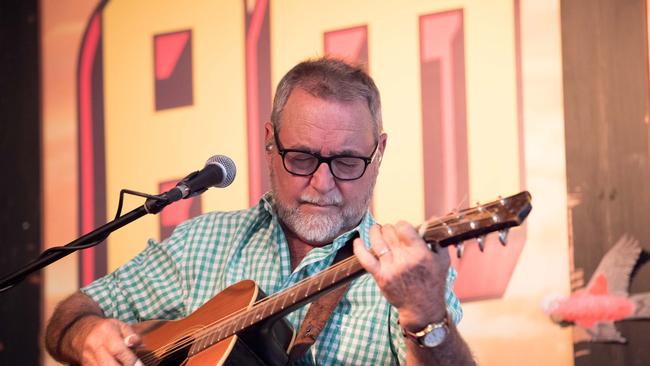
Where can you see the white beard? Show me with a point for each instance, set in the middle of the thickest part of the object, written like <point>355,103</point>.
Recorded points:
<point>320,228</point>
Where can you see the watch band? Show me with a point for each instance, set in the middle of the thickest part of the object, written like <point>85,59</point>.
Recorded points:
<point>420,336</point>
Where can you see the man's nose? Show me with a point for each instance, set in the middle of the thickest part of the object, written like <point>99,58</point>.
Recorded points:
<point>322,180</point>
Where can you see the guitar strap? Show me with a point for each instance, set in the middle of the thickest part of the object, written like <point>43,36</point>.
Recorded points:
<point>320,310</point>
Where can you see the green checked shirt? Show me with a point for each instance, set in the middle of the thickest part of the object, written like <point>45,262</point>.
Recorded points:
<point>204,255</point>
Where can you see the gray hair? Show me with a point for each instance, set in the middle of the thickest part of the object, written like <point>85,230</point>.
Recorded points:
<point>329,78</point>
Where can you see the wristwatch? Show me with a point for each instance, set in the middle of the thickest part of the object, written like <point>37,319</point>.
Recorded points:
<point>430,336</point>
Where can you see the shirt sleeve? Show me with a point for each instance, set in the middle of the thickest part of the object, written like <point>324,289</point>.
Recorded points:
<point>453,304</point>
<point>150,286</point>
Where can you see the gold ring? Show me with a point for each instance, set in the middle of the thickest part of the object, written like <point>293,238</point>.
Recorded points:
<point>384,251</point>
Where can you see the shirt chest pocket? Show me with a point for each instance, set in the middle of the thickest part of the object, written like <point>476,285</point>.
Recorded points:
<point>350,336</point>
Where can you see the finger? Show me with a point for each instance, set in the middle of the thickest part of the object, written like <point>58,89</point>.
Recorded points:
<point>121,350</point>
<point>407,234</point>
<point>378,244</point>
<point>390,237</point>
<point>367,260</point>
<point>126,357</point>
<point>104,358</point>
<point>131,338</point>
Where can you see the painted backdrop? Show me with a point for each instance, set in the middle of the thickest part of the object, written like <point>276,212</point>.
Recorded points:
<point>138,94</point>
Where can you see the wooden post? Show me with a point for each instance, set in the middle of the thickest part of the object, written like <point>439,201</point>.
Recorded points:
<point>605,67</point>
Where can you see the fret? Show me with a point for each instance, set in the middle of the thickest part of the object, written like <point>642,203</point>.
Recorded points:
<point>232,326</point>
<point>216,335</point>
<point>260,311</point>
<point>266,311</point>
<point>284,300</point>
<point>272,305</point>
<point>349,269</point>
<point>297,291</point>
<point>195,347</point>
<point>320,284</point>
<point>198,347</point>
<point>307,292</point>
<point>250,316</point>
<point>225,327</point>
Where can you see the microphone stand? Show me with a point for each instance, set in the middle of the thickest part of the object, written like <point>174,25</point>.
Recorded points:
<point>153,205</point>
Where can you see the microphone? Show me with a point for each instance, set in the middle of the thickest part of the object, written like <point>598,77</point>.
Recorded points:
<point>219,171</point>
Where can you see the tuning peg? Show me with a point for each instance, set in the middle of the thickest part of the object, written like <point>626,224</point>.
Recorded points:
<point>460,248</point>
<point>481,242</point>
<point>503,236</point>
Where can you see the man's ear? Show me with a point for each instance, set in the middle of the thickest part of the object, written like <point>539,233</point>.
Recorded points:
<point>383,138</point>
<point>268,137</point>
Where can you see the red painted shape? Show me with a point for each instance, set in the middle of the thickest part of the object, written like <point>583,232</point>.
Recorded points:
<point>177,212</point>
<point>167,51</point>
<point>88,52</point>
<point>481,275</point>
<point>252,102</point>
<point>485,275</point>
<point>438,33</point>
<point>350,44</point>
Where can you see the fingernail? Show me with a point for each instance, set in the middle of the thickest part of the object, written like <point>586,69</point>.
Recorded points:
<point>128,341</point>
<point>138,363</point>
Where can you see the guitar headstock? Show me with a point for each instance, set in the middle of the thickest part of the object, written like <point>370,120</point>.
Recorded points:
<point>477,222</point>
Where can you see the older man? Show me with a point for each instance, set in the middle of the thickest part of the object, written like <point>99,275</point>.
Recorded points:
<point>324,147</point>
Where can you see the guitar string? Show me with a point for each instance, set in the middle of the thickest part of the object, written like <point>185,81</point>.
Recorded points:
<point>208,329</point>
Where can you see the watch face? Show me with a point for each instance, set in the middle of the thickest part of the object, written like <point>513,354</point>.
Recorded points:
<point>434,337</point>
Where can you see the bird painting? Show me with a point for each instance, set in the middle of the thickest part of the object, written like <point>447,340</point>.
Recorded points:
<point>605,299</point>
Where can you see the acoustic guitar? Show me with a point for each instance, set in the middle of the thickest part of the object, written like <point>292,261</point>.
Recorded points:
<point>229,328</point>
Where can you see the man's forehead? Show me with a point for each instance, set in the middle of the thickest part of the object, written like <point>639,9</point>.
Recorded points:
<point>333,141</point>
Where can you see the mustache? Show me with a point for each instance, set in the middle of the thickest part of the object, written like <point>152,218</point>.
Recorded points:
<point>333,199</point>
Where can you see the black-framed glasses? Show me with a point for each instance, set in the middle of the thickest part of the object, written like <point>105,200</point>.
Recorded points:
<point>305,163</point>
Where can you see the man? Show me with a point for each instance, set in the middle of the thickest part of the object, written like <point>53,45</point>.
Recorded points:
<point>324,147</point>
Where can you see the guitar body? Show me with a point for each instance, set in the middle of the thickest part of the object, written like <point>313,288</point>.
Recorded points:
<point>266,343</point>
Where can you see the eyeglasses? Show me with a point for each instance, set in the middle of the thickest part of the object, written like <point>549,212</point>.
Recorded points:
<point>304,163</point>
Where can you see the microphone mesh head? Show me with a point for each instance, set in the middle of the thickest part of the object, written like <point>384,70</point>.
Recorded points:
<point>228,166</point>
